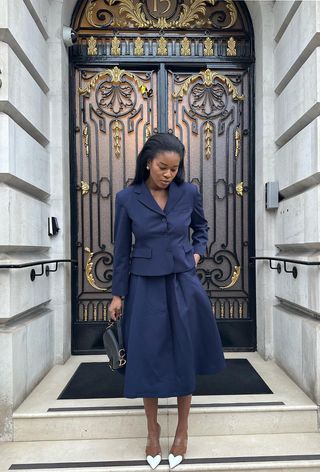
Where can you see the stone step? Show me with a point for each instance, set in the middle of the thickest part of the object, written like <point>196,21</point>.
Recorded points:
<point>42,416</point>
<point>288,452</point>
<point>204,420</point>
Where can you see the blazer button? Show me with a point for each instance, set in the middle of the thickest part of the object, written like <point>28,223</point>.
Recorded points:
<point>163,220</point>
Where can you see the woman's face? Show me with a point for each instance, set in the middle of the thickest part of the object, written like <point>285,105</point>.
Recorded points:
<point>163,168</point>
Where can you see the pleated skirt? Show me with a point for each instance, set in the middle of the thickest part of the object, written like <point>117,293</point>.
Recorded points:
<point>170,335</point>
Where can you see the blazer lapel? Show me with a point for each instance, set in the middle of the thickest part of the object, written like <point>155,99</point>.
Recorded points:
<point>145,197</point>
<point>175,193</point>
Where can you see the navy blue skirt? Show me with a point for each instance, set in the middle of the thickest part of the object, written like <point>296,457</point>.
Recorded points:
<point>170,335</point>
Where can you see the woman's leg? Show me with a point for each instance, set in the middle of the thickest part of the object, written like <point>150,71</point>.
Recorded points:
<point>183,414</point>
<point>180,441</point>
<point>151,410</point>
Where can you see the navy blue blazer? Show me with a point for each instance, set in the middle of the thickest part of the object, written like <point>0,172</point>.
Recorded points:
<point>161,237</point>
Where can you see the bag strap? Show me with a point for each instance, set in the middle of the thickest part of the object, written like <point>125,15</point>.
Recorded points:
<point>119,330</point>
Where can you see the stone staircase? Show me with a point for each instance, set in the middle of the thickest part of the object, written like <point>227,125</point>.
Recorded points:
<point>277,431</point>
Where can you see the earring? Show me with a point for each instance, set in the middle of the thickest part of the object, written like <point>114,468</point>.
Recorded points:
<point>148,167</point>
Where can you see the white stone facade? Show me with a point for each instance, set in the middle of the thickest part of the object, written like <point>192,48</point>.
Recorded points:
<point>35,317</point>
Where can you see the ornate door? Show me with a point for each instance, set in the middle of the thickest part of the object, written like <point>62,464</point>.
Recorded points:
<point>127,87</point>
<point>117,110</point>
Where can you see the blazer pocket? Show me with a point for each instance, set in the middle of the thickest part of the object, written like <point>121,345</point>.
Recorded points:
<point>142,252</point>
<point>187,247</point>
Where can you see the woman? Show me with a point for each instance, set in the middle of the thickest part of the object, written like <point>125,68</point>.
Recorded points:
<point>170,333</point>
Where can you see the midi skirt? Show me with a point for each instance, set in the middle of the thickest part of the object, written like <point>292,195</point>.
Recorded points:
<point>170,335</point>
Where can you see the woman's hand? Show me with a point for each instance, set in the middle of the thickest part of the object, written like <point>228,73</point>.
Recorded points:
<point>197,258</point>
<point>115,307</point>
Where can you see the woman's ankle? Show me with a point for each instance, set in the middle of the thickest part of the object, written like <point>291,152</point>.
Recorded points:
<point>153,429</point>
<point>181,431</point>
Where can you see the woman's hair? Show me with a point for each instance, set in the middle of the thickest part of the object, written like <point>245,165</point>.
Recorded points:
<point>158,143</point>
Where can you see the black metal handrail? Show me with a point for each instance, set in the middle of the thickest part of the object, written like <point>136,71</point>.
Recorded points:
<point>33,273</point>
<point>294,270</point>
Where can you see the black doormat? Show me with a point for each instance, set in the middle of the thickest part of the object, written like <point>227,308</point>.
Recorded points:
<point>96,380</point>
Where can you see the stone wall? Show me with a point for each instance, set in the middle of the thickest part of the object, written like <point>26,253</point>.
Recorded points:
<point>296,311</point>
<point>35,317</point>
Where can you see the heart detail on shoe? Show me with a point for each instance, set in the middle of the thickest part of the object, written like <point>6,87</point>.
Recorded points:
<point>154,461</point>
<point>174,460</point>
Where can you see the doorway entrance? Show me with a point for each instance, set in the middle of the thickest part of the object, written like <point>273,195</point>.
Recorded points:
<point>163,67</point>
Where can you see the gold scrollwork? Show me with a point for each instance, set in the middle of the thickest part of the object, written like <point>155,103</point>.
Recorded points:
<point>233,13</point>
<point>192,12</point>
<point>90,12</point>
<point>92,46</point>
<point>138,47</point>
<point>235,276</point>
<point>89,274</point>
<point>231,49</point>
<point>237,138</point>
<point>162,47</point>
<point>85,187</point>
<point>147,131</point>
<point>115,75</point>
<point>208,47</point>
<point>208,76</point>
<point>208,137</point>
<point>116,129</point>
<point>85,138</point>
<point>115,46</point>
<point>130,11</point>
<point>239,189</point>
<point>185,47</point>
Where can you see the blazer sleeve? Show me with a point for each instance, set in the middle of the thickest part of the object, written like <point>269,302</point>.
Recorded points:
<point>199,224</point>
<point>122,249</point>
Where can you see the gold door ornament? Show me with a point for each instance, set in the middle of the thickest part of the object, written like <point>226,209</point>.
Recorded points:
<point>92,46</point>
<point>115,46</point>
<point>239,189</point>
<point>134,13</point>
<point>147,131</point>
<point>185,47</point>
<point>115,76</point>
<point>208,77</point>
<point>231,49</point>
<point>237,139</point>
<point>235,276</point>
<point>208,47</point>
<point>138,47</point>
<point>116,129</point>
<point>89,274</point>
<point>85,187</point>
<point>162,47</point>
<point>85,138</point>
<point>208,133</point>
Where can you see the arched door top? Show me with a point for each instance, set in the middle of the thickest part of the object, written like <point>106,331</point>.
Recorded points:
<point>210,28</point>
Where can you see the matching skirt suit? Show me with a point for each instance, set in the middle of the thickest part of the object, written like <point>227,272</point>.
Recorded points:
<point>169,330</point>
